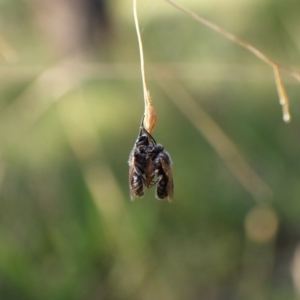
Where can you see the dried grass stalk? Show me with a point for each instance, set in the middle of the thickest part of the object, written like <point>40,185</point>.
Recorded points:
<point>150,114</point>
<point>284,101</point>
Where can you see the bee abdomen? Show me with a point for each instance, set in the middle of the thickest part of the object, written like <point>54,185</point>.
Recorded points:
<point>137,185</point>
<point>161,190</point>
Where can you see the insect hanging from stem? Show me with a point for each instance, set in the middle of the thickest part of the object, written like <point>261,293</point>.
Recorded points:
<point>150,165</point>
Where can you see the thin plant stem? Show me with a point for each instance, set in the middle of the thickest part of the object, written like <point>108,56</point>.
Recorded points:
<point>136,22</point>
<point>283,98</point>
<point>149,114</point>
<point>284,101</point>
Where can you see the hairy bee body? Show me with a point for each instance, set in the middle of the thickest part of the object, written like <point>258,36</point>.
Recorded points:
<point>162,190</point>
<point>136,183</point>
<point>162,163</point>
<point>149,164</point>
<point>137,164</point>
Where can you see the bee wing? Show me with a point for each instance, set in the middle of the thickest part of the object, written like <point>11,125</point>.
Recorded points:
<point>168,171</point>
<point>149,172</point>
<point>131,163</point>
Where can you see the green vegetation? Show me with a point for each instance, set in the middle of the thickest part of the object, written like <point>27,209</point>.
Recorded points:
<point>68,229</point>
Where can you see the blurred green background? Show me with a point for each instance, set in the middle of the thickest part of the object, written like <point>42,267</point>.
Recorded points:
<point>70,108</point>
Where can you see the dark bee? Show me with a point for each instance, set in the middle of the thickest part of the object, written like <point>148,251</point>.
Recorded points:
<point>136,163</point>
<point>162,165</point>
<point>139,165</point>
<point>149,164</point>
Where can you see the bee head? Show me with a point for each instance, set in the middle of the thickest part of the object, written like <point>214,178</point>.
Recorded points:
<point>142,141</point>
<point>155,148</point>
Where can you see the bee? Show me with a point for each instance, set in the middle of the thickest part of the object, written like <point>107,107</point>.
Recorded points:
<point>149,165</point>
<point>137,165</point>
<point>136,180</point>
<point>140,166</point>
<point>163,171</point>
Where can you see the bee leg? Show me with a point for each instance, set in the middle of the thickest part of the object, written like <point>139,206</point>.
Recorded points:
<point>145,181</point>
<point>158,179</point>
<point>153,182</point>
<point>142,128</point>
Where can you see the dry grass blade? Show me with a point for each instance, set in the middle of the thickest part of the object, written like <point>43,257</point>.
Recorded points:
<point>283,99</point>
<point>255,51</point>
<point>224,147</point>
<point>224,32</point>
<point>150,115</point>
